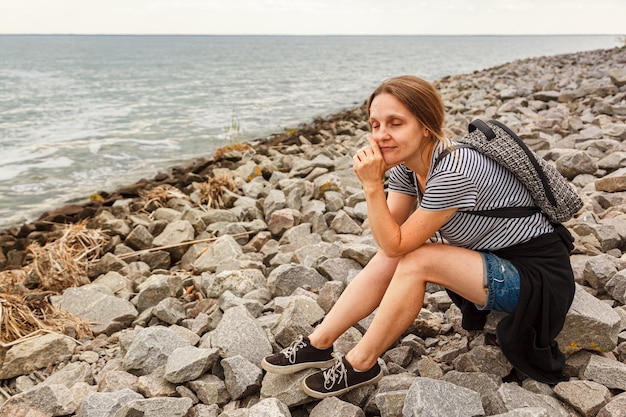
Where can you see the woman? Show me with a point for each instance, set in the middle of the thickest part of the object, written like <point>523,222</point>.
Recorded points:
<point>515,265</point>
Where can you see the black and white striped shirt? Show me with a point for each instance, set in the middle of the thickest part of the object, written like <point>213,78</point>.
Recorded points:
<point>469,180</point>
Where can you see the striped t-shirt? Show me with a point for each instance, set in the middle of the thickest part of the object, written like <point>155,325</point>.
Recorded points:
<point>469,180</point>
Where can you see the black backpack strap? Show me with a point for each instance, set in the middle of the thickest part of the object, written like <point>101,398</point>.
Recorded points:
<point>483,127</point>
<point>506,212</point>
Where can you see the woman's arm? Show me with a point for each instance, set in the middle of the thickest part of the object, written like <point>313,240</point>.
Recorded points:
<point>395,232</point>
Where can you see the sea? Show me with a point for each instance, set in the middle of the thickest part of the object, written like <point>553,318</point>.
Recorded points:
<point>83,114</point>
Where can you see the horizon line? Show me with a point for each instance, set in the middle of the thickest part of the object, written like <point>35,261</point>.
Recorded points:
<point>311,35</point>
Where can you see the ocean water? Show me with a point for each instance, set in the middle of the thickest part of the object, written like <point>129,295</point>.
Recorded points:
<point>81,114</point>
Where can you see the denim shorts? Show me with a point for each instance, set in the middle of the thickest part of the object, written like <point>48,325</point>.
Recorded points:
<point>502,283</point>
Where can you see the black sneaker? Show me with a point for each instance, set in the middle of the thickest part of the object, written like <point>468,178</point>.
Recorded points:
<point>339,379</point>
<point>298,356</point>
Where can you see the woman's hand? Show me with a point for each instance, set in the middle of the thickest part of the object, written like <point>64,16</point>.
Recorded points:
<point>369,164</point>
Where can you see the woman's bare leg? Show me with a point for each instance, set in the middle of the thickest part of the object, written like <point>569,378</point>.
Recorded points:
<point>458,269</point>
<point>358,300</point>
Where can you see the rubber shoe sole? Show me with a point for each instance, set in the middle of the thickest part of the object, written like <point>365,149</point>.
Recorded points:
<point>321,395</point>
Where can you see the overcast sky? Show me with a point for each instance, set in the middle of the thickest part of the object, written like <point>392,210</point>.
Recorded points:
<point>316,17</point>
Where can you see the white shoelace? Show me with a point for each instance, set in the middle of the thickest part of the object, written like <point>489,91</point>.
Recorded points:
<point>336,373</point>
<point>291,350</point>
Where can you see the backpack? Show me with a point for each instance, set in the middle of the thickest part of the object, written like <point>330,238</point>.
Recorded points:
<point>552,194</point>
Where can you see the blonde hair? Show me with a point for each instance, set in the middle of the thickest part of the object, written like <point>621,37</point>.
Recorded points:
<point>420,97</point>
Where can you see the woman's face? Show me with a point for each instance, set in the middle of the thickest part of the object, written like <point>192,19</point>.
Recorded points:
<point>396,131</point>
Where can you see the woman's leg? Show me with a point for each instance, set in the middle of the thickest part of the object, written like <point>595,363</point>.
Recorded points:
<point>357,301</point>
<point>458,269</point>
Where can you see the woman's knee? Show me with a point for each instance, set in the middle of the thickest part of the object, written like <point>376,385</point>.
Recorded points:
<point>420,262</point>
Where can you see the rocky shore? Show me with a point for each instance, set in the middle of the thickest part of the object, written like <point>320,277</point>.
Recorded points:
<point>192,287</point>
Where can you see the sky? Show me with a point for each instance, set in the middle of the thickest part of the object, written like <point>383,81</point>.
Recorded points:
<point>313,17</point>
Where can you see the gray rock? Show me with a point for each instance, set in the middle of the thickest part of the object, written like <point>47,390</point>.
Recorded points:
<point>175,233</point>
<point>334,407</point>
<point>599,269</point>
<point>612,183</point>
<point>119,285</point>
<point>105,404</point>
<point>170,310</point>
<point>310,254</point>
<point>155,407</point>
<point>50,399</point>
<point>428,368</point>
<point>605,371</point>
<point>224,247</point>
<point>359,252</point>
<point>139,238</point>
<point>188,363</point>
<point>590,324</point>
<point>70,374</point>
<point>270,407</point>
<point>343,223</point>
<point>487,359</point>
<point>616,286</point>
<point>329,294</point>
<point>433,398</point>
<point>513,397</point>
<point>155,289</point>
<point>576,163</point>
<point>342,269</point>
<point>238,333</point>
<point>210,389</point>
<point>281,221</point>
<point>117,380</point>
<point>615,408</point>
<point>203,410</point>
<point>151,349</point>
<point>155,385</point>
<point>229,300</point>
<point>274,201</point>
<point>299,235</point>
<point>105,312</point>
<point>242,377</point>
<point>483,383</point>
<point>239,282</point>
<point>286,388</point>
<point>285,279</point>
<point>586,397</point>
<point>291,324</point>
<point>36,353</point>
<point>108,262</point>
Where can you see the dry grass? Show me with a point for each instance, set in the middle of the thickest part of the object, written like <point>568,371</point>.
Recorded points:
<point>63,263</point>
<point>212,191</point>
<point>21,317</point>
<point>160,195</point>
<point>59,264</point>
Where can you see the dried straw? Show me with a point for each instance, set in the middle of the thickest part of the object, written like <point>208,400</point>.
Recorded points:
<point>59,264</point>
<point>22,317</point>
<point>63,263</point>
<point>160,195</point>
<point>212,191</point>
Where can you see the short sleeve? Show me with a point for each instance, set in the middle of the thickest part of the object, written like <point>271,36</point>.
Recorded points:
<point>402,180</point>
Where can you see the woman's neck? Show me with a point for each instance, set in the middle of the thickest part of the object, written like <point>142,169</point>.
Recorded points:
<point>421,163</point>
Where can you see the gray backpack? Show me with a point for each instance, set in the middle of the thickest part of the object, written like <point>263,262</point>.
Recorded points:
<point>552,194</point>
